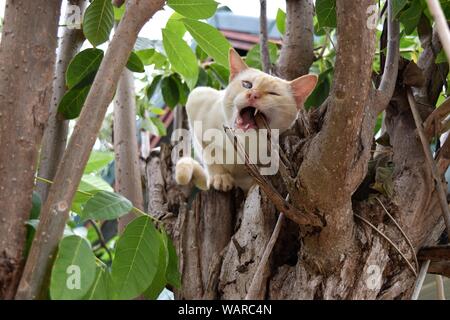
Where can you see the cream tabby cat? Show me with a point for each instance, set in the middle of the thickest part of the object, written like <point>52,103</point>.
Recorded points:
<point>249,91</point>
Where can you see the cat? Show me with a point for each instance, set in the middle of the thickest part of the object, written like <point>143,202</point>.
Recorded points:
<point>248,92</point>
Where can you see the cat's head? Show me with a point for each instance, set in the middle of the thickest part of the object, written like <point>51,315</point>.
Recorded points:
<point>251,91</point>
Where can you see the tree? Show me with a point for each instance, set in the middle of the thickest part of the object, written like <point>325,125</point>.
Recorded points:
<point>27,59</point>
<point>351,214</point>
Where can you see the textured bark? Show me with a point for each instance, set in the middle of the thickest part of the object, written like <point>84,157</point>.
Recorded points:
<point>56,209</point>
<point>55,134</point>
<point>128,175</point>
<point>27,59</point>
<point>297,53</point>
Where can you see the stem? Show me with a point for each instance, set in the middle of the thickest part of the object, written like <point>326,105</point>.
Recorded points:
<point>441,25</point>
<point>265,56</point>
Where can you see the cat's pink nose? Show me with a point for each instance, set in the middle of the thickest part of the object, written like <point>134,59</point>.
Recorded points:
<point>253,95</point>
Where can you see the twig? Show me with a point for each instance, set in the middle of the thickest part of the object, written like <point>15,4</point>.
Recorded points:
<point>390,241</point>
<point>389,77</point>
<point>442,193</point>
<point>440,287</point>
<point>256,287</point>
<point>413,251</point>
<point>441,25</point>
<point>101,239</point>
<point>420,280</point>
<point>265,57</point>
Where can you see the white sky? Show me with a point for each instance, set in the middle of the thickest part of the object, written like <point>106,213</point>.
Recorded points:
<point>152,29</point>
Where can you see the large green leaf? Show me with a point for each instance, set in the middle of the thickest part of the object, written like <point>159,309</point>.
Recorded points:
<point>210,40</point>
<point>159,281</point>
<point>98,21</point>
<point>90,184</point>
<point>398,6</point>
<point>170,92</point>
<point>410,17</point>
<point>106,205</point>
<point>153,86</point>
<point>100,287</point>
<point>326,13</point>
<point>175,25</point>
<point>84,64</point>
<point>98,160</point>
<point>135,63</point>
<point>253,58</point>
<point>221,73</point>
<point>136,259</point>
<point>72,102</point>
<point>281,21</point>
<point>173,275</point>
<point>194,9</point>
<point>73,270</point>
<point>181,57</point>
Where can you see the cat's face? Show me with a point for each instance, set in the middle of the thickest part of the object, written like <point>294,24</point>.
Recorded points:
<point>251,91</point>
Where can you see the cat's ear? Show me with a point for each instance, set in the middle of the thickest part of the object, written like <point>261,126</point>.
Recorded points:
<point>237,65</point>
<point>302,87</point>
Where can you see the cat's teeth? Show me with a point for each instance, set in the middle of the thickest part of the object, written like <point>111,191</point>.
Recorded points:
<point>247,125</point>
<point>256,112</point>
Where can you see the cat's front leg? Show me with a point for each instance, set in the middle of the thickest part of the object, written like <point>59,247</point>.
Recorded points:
<point>219,178</point>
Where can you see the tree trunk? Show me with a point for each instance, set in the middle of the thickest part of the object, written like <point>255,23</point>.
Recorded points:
<point>55,134</point>
<point>27,59</point>
<point>128,175</point>
<point>56,209</point>
<point>349,256</point>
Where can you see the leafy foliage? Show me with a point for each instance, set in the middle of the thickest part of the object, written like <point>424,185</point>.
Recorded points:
<point>98,21</point>
<point>194,9</point>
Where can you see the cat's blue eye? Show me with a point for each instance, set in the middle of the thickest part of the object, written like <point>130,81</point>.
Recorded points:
<point>247,84</point>
<point>273,93</point>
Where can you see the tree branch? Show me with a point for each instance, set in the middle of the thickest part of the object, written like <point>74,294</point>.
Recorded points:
<point>56,209</point>
<point>297,52</point>
<point>265,57</point>
<point>441,25</point>
<point>55,134</point>
<point>389,77</point>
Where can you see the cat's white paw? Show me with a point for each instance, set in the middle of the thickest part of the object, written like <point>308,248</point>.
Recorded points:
<point>221,182</point>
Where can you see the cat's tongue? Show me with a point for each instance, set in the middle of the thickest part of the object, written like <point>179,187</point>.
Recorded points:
<point>246,119</point>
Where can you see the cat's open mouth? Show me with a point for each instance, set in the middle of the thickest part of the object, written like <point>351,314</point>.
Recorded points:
<point>246,119</point>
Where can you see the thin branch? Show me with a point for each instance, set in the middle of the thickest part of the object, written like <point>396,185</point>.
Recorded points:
<point>389,77</point>
<point>420,280</point>
<point>256,287</point>
<point>264,38</point>
<point>413,251</point>
<point>101,239</point>
<point>433,124</point>
<point>440,292</point>
<point>390,242</point>
<point>441,25</point>
<point>442,192</point>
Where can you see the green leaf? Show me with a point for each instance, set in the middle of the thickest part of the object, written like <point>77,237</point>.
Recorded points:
<point>410,17</point>
<point>220,73</point>
<point>34,215</point>
<point>91,184</point>
<point>100,287</point>
<point>72,102</point>
<point>441,57</point>
<point>170,92</point>
<point>159,281</point>
<point>105,205</point>
<point>281,21</point>
<point>173,275</point>
<point>398,6</point>
<point>83,65</point>
<point>136,259</point>
<point>194,9</point>
<point>162,131</point>
<point>253,58</point>
<point>73,271</point>
<point>183,90</point>
<point>326,13</point>
<point>175,25</point>
<point>98,21</point>
<point>153,86</point>
<point>98,160</point>
<point>157,111</point>
<point>210,40</point>
<point>119,12</point>
<point>135,63</point>
<point>181,57</point>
